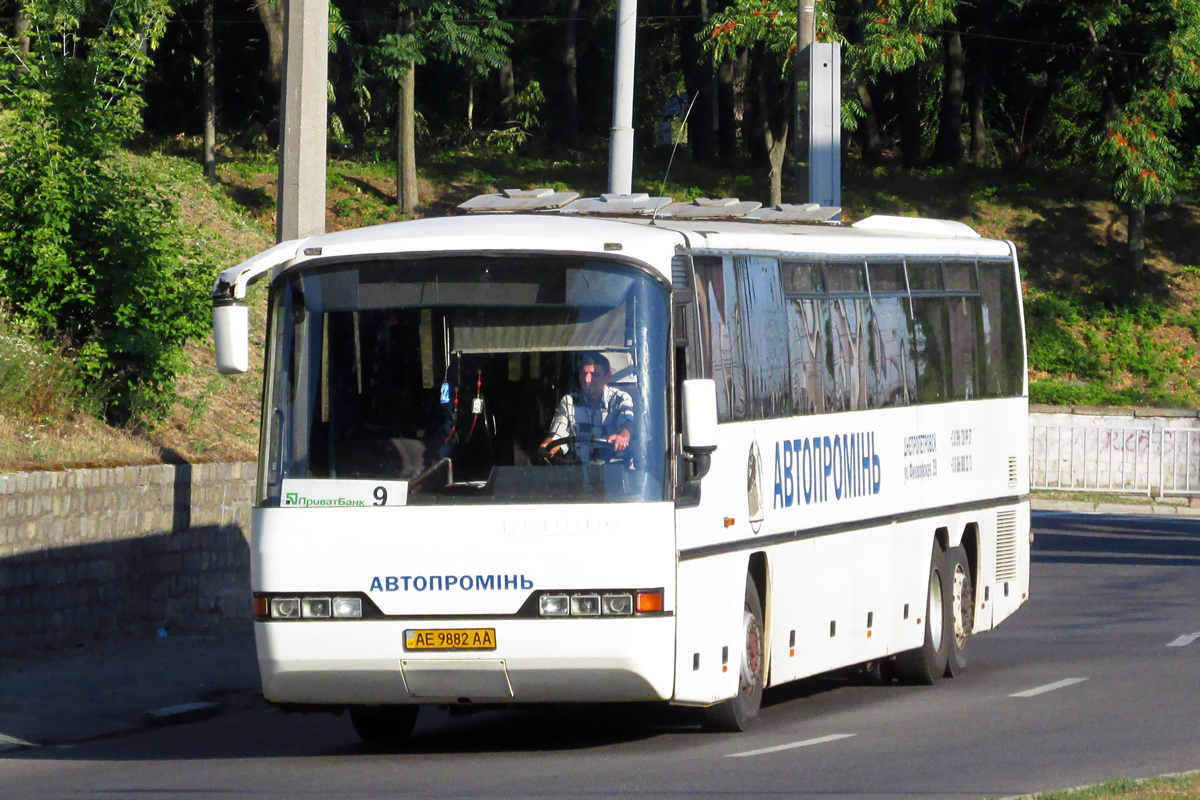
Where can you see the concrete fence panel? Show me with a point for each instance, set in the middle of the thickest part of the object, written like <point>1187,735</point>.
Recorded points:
<point>1154,452</point>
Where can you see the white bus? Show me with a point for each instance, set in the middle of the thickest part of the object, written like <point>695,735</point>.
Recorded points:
<point>826,460</point>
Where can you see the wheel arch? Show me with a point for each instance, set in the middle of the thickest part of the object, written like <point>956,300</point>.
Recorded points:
<point>942,537</point>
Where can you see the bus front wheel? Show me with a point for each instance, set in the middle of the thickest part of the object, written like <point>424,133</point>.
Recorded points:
<point>928,662</point>
<point>960,616</point>
<point>383,725</point>
<point>738,712</point>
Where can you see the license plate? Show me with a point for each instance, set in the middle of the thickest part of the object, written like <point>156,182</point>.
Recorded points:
<point>450,639</point>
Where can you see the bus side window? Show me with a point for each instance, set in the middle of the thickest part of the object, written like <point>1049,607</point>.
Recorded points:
<point>768,378</point>
<point>717,290</point>
<point>1003,353</point>
<point>930,331</point>
<point>895,376</point>
<point>807,332</point>
<point>966,382</point>
<point>848,335</point>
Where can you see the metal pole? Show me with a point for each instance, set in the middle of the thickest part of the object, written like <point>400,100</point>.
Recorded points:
<point>620,152</point>
<point>301,192</point>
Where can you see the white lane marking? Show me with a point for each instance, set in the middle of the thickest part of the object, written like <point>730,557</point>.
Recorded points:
<point>1049,687</point>
<point>1185,640</point>
<point>791,746</point>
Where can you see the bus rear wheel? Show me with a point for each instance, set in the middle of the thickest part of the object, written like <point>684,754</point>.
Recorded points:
<point>383,725</point>
<point>928,662</point>
<point>739,712</point>
<point>960,616</point>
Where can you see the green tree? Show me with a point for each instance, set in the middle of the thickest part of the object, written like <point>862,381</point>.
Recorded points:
<point>887,37</point>
<point>766,29</point>
<point>465,32</point>
<point>1143,71</point>
<point>90,249</point>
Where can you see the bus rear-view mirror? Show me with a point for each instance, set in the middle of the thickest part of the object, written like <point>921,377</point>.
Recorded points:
<point>231,335</point>
<point>699,423</point>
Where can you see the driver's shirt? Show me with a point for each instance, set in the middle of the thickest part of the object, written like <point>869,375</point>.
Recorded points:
<point>575,419</point>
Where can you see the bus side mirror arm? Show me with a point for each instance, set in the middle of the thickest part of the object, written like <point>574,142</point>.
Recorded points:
<point>699,461</point>
<point>699,425</point>
<point>230,315</point>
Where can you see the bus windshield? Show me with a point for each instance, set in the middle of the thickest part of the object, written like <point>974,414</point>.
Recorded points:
<point>522,379</point>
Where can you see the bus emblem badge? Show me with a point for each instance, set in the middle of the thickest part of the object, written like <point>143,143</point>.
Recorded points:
<point>754,490</point>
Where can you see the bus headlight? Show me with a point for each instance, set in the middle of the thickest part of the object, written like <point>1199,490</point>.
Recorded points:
<point>311,607</point>
<point>285,608</point>
<point>585,605</point>
<point>347,607</point>
<point>316,608</point>
<point>599,603</point>
<point>553,605</point>
<point>617,604</point>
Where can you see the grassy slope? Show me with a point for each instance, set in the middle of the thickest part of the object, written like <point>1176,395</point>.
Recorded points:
<point>1095,334</point>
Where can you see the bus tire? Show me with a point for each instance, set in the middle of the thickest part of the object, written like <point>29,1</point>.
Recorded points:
<point>960,614</point>
<point>383,725</point>
<point>928,662</point>
<point>739,712</point>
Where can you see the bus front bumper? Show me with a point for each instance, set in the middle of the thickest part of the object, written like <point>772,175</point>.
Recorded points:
<point>534,661</point>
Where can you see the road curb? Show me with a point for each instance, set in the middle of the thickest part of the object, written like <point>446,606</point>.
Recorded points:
<point>1163,777</point>
<point>1124,509</point>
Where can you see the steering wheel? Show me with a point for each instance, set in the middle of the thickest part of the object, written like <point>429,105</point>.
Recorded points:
<point>562,458</point>
<point>602,452</point>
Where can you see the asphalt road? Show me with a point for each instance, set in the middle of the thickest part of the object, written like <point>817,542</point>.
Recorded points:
<point>1097,676</point>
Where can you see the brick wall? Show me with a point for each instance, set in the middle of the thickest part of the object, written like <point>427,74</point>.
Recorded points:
<point>90,553</point>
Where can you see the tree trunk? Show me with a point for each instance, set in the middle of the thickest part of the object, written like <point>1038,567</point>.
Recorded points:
<point>726,113</point>
<point>908,90</point>
<point>271,14</point>
<point>698,78</point>
<point>775,156</point>
<point>754,119</point>
<point>471,102</point>
<point>979,82</point>
<point>406,156</point>
<point>868,129</point>
<point>1035,118</point>
<point>508,92</point>
<point>948,150</point>
<point>570,60</point>
<point>1136,215</point>
<point>771,119</point>
<point>21,32</point>
<point>210,96</point>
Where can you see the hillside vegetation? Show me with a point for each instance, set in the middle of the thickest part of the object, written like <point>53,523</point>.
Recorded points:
<point>1099,334</point>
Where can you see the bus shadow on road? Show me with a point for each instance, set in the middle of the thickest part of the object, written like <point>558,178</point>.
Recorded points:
<point>540,729</point>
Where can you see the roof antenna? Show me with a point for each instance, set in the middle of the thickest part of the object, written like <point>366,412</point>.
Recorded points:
<point>662,187</point>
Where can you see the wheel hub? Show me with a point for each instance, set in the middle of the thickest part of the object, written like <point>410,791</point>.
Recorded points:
<point>960,627</point>
<point>752,656</point>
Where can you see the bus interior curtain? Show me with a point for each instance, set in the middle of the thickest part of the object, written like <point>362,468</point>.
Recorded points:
<point>533,329</point>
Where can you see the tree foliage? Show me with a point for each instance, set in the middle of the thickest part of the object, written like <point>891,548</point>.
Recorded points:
<point>1143,70</point>
<point>89,247</point>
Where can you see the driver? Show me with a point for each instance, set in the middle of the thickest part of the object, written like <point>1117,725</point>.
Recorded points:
<point>599,413</point>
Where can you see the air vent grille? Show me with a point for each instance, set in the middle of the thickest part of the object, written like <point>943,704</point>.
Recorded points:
<point>1012,472</point>
<point>681,272</point>
<point>1006,546</point>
